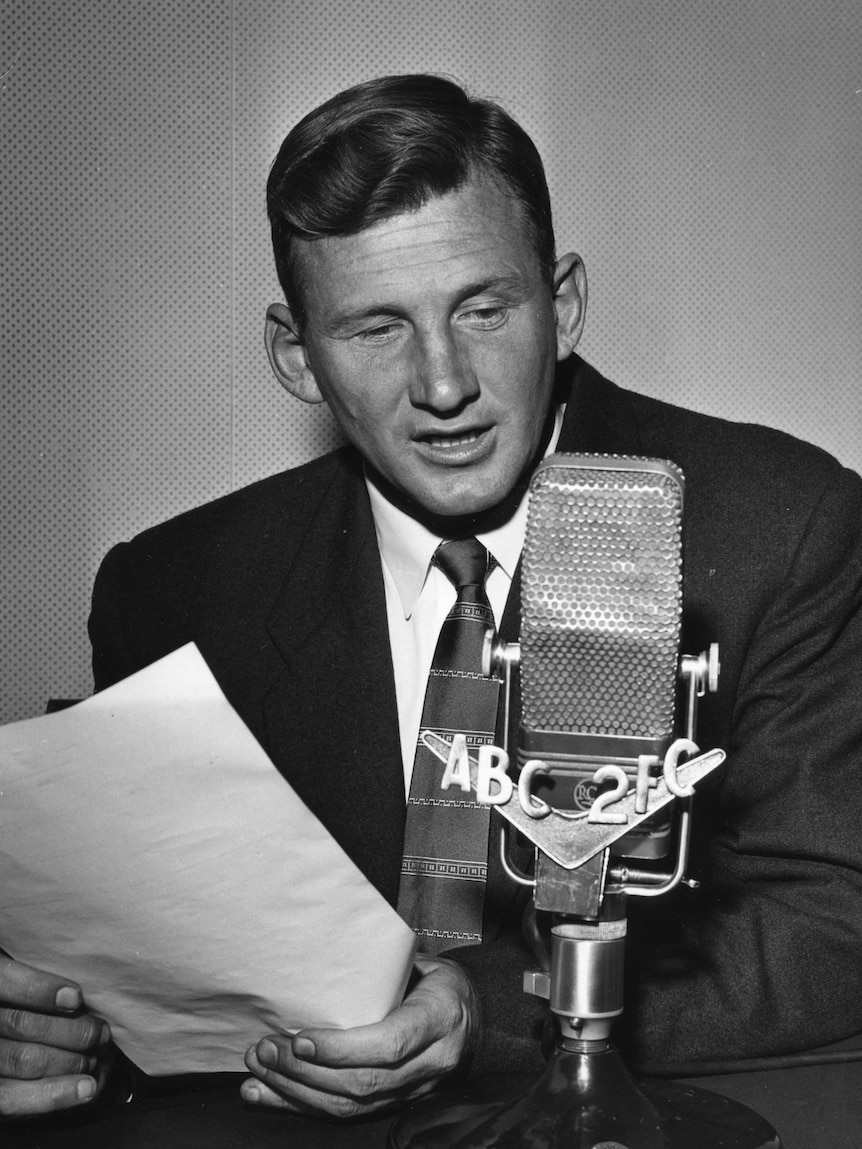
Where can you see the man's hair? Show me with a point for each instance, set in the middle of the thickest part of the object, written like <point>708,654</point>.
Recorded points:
<point>388,146</point>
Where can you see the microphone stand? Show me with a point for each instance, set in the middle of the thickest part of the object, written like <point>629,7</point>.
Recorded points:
<point>586,1098</point>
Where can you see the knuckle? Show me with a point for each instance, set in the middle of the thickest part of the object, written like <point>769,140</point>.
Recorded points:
<point>346,1107</point>
<point>16,1023</point>
<point>78,1034</point>
<point>7,978</point>
<point>368,1082</point>
<point>402,1046</point>
<point>300,1072</point>
<point>26,1061</point>
<point>22,985</point>
<point>449,1058</point>
<point>86,1032</point>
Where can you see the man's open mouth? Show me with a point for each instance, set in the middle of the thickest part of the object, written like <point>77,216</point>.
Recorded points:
<point>446,442</point>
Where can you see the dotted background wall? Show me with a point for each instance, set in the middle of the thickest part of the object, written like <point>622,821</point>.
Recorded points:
<point>704,159</point>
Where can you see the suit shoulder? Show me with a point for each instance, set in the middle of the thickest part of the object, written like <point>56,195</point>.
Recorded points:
<point>753,486</point>
<point>244,534</point>
<point>603,416</point>
<point>286,500</point>
<point>758,502</point>
<point>743,459</point>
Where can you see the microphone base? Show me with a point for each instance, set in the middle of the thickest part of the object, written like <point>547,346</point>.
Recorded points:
<point>587,1101</point>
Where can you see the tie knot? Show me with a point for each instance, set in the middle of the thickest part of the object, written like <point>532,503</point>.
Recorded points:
<point>465,562</point>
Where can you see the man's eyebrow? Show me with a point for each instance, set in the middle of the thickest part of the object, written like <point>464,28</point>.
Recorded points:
<point>507,284</point>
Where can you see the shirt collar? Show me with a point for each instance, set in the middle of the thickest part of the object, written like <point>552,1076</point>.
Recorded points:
<point>407,547</point>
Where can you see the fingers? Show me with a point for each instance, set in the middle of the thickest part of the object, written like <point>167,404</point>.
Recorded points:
<point>80,1034</point>
<point>255,1092</point>
<point>345,1073</point>
<point>272,1061</point>
<point>336,1093</point>
<point>29,1061</point>
<point>440,1006</point>
<point>30,988</point>
<point>50,1049</point>
<point>403,1035</point>
<point>28,1098</point>
<point>301,1100</point>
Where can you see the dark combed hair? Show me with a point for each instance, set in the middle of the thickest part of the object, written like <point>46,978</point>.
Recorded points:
<point>388,146</point>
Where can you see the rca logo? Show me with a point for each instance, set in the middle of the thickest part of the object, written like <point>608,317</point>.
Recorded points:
<point>584,794</point>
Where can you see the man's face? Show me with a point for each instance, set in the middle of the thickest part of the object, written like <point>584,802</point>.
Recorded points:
<point>433,337</point>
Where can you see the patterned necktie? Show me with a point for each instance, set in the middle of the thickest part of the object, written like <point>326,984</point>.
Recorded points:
<point>445,860</point>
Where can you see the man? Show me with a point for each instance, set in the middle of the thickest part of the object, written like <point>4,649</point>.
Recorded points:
<point>425,306</point>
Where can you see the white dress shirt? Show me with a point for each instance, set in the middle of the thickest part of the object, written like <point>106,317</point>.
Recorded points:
<point>419,596</point>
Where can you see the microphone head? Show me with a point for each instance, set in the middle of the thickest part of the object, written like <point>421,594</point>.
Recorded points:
<point>601,607</point>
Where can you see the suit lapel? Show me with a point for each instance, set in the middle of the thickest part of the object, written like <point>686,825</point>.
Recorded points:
<point>599,417</point>
<point>330,715</point>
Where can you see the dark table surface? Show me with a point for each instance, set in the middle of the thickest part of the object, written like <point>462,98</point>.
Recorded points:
<point>810,1106</point>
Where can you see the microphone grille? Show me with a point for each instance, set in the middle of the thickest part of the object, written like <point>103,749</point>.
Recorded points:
<point>601,596</point>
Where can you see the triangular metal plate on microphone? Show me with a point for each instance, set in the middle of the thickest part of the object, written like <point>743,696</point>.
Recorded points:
<point>572,841</point>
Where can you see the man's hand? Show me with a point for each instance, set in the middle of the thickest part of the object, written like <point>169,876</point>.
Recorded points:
<point>353,1072</point>
<point>51,1051</point>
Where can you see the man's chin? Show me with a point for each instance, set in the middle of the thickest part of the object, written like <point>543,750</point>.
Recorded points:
<point>452,513</point>
<point>462,503</point>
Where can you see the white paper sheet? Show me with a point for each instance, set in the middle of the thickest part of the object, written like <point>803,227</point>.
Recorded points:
<point>150,851</point>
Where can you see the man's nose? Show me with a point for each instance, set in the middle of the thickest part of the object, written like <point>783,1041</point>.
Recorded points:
<point>443,378</point>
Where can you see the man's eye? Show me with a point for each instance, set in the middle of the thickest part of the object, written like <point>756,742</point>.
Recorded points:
<point>485,316</point>
<point>377,334</point>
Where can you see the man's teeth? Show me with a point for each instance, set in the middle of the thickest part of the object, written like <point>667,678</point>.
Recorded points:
<point>453,440</point>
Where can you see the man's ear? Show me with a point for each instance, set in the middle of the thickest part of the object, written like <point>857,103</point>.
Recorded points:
<point>570,302</point>
<point>287,356</point>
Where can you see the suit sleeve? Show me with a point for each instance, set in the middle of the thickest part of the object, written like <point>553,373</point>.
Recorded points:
<point>136,615</point>
<point>112,659</point>
<point>765,958</point>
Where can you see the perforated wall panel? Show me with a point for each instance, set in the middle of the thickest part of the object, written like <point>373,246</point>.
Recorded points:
<point>704,159</point>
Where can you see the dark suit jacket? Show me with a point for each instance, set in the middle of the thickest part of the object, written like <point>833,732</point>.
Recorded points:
<point>280,586</point>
